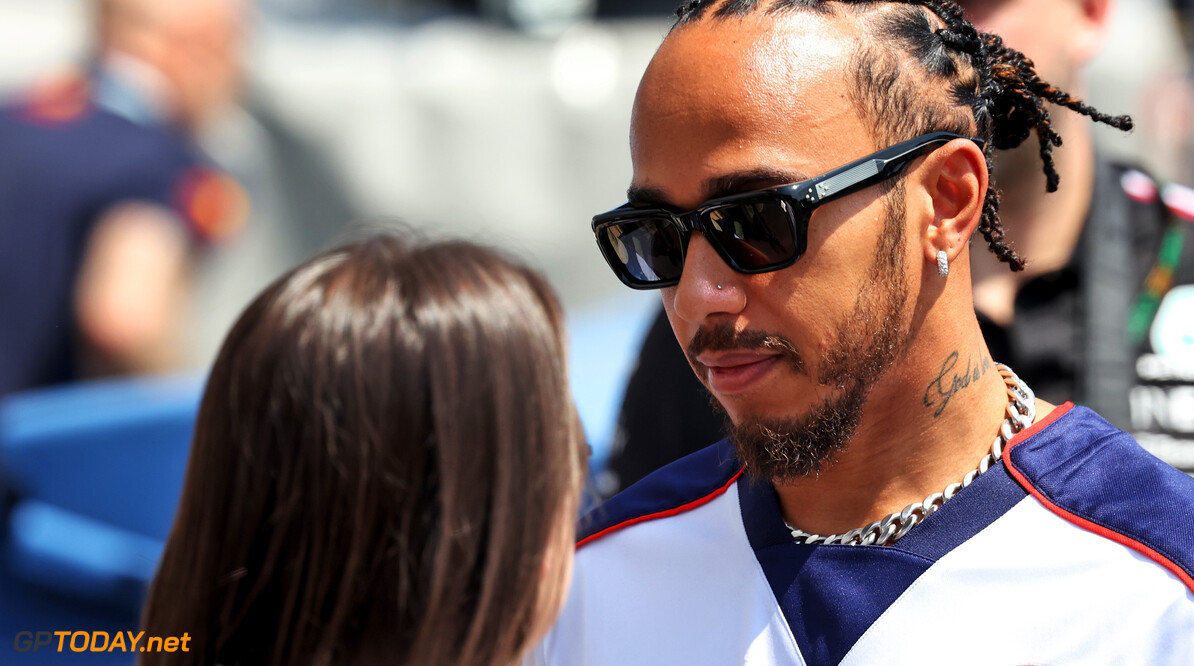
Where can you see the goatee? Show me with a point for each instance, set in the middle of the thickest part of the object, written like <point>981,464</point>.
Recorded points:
<point>780,450</point>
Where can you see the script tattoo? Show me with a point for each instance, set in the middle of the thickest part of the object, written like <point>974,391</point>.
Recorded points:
<point>951,380</point>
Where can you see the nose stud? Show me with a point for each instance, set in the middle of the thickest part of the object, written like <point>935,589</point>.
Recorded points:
<point>719,287</point>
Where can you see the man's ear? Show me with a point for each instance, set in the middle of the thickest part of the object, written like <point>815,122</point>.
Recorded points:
<point>954,178</point>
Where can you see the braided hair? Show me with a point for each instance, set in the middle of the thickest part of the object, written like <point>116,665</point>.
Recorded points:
<point>989,90</point>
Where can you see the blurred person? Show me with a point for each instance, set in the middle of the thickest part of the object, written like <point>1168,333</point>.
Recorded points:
<point>1097,313</point>
<point>808,176</point>
<point>104,196</point>
<point>1102,258</point>
<point>386,468</point>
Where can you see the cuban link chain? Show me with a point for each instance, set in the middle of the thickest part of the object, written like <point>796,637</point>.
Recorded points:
<point>1020,413</point>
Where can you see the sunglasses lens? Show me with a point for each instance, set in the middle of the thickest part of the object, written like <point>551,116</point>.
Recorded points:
<point>757,234</point>
<point>646,250</point>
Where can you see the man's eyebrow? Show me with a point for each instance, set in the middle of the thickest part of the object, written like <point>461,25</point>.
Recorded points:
<point>749,181</point>
<point>720,186</point>
<point>646,195</point>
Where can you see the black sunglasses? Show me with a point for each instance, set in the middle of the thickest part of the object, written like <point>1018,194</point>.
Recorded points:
<point>754,232</point>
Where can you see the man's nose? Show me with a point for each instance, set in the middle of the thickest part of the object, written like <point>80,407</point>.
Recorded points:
<point>708,286</point>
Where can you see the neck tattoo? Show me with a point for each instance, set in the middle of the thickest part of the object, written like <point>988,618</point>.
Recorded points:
<point>1020,413</point>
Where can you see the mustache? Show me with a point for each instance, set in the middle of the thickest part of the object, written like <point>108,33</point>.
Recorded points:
<point>722,337</point>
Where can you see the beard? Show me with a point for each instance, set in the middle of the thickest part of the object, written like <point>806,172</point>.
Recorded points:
<point>868,342</point>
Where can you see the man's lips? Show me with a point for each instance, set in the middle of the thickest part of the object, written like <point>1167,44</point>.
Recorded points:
<point>735,372</point>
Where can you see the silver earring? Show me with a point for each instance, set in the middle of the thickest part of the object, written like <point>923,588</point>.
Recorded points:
<point>942,263</point>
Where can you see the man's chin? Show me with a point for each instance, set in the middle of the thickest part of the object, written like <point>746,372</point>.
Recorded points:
<point>781,405</point>
<point>788,448</point>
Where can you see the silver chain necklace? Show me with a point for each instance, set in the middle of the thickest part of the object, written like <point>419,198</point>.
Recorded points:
<point>1021,412</point>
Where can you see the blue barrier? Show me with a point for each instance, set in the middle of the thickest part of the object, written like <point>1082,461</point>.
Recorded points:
<point>95,470</point>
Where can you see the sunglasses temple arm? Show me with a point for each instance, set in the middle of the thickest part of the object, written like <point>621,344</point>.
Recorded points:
<point>854,177</point>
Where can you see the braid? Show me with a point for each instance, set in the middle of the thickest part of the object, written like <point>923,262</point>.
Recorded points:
<point>998,85</point>
<point>686,8</point>
<point>1012,97</point>
<point>1022,102</point>
<point>1003,123</point>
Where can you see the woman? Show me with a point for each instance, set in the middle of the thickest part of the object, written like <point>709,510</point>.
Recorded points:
<point>385,469</point>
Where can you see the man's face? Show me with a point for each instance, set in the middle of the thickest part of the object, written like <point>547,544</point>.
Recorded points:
<point>745,104</point>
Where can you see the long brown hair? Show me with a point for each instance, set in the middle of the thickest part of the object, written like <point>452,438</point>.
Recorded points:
<point>384,460</point>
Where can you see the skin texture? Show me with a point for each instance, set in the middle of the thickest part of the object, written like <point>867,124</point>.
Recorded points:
<point>744,104</point>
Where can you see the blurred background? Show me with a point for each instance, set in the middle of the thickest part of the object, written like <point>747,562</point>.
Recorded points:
<point>503,121</point>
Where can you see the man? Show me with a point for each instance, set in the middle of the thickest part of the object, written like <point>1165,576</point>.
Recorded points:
<point>1089,319</point>
<point>104,196</point>
<point>807,179</point>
